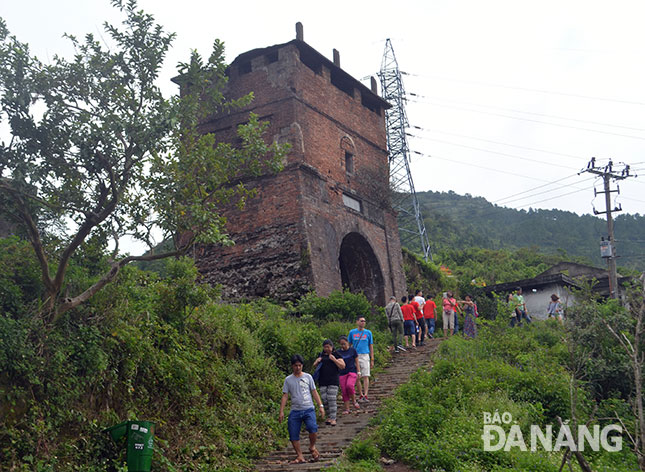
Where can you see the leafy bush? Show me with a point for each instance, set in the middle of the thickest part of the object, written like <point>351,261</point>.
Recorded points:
<point>422,275</point>
<point>435,422</point>
<point>20,283</point>
<point>338,306</point>
<point>159,348</point>
<point>363,450</point>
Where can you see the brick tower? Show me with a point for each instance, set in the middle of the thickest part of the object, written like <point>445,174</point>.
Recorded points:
<point>325,222</point>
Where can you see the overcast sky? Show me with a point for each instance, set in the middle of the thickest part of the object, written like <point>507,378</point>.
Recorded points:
<point>505,97</point>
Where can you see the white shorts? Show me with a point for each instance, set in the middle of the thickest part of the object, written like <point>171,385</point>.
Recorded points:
<point>364,364</point>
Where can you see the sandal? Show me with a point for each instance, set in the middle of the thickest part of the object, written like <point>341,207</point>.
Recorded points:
<point>332,423</point>
<point>297,460</point>
<point>315,455</point>
<point>357,406</point>
<point>328,422</point>
<point>346,412</point>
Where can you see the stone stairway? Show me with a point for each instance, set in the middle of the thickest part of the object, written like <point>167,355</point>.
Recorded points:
<point>332,440</point>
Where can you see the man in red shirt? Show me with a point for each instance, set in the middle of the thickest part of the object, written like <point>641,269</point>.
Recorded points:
<point>409,321</point>
<point>429,314</point>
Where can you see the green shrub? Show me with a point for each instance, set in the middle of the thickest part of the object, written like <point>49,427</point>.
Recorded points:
<point>160,348</point>
<point>20,277</point>
<point>422,275</point>
<point>363,450</point>
<point>435,422</point>
<point>338,306</point>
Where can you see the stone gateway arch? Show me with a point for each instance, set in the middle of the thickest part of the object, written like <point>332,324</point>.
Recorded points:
<point>360,270</point>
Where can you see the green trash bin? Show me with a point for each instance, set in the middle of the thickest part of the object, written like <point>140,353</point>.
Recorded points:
<point>140,443</point>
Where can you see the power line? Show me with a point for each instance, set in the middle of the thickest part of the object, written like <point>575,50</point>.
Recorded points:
<point>545,191</point>
<point>499,142</point>
<point>527,112</point>
<point>553,198</point>
<point>580,128</point>
<point>508,173</point>
<point>632,199</point>
<point>505,154</point>
<point>470,164</point>
<point>538,187</point>
<point>525,89</point>
<point>501,201</point>
<point>515,156</point>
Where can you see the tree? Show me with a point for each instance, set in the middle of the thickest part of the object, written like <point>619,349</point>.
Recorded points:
<point>97,152</point>
<point>610,364</point>
<point>632,342</point>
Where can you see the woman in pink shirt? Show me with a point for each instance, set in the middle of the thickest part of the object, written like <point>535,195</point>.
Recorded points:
<point>449,310</point>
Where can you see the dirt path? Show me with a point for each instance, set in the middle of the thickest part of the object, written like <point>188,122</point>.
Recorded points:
<point>333,439</point>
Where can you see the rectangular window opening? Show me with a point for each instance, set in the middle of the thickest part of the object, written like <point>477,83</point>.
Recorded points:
<point>349,162</point>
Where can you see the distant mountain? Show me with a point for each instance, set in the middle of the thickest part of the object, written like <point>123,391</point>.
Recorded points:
<point>461,221</point>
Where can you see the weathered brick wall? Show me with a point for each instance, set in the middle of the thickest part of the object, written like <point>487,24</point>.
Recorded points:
<point>288,239</point>
<point>269,257</point>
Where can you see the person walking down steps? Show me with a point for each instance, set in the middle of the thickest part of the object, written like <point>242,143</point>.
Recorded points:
<point>361,339</point>
<point>349,374</point>
<point>335,440</point>
<point>302,389</point>
<point>331,363</point>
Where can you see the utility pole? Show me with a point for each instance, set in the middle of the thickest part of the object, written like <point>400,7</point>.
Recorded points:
<point>404,198</point>
<point>608,174</point>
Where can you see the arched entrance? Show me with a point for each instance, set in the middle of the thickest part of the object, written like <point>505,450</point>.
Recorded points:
<point>360,270</point>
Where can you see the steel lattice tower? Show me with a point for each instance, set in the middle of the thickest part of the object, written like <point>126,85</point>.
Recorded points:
<point>404,197</point>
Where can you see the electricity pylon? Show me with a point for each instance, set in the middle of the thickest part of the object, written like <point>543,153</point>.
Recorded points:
<point>404,197</point>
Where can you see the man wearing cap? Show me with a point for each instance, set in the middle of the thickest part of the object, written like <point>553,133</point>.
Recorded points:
<point>395,322</point>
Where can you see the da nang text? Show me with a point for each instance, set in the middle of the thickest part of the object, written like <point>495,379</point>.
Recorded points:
<point>501,433</point>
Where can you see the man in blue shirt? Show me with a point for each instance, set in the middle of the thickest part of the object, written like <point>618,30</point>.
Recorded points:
<point>361,339</point>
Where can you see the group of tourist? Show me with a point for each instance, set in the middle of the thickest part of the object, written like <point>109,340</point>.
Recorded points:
<point>451,310</point>
<point>334,369</point>
<point>348,368</point>
<point>519,313</point>
<point>517,305</point>
<point>416,318</point>
<point>413,320</point>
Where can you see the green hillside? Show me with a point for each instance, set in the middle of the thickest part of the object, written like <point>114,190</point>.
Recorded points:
<point>459,222</point>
